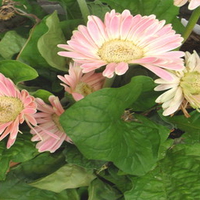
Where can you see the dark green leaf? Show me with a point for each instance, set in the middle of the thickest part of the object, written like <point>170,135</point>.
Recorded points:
<point>72,9</point>
<point>176,177</point>
<point>15,187</point>
<point>30,53</point>
<point>68,26</point>
<point>147,98</point>
<point>99,190</point>
<point>73,156</point>
<point>21,151</point>
<point>98,8</point>
<point>187,124</point>
<point>190,126</point>
<point>41,165</point>
<point>162,9</point>
<point>30,7</point>
<point>30,169</point>
<point>112,174</point>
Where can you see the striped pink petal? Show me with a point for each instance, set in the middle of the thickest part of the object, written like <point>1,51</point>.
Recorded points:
<point>48,132</point>
<point>25,112</point>
<point>149,38</point>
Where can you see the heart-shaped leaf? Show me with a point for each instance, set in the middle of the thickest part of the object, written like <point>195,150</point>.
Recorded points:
<point>96,126</point>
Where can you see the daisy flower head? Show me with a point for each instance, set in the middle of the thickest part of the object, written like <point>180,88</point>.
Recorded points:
<point>184,89</point>
<point>124,39</point>
<point>49,132</point>
<point>79,84</point>
<point>192,3</point>
<point>15,108</point>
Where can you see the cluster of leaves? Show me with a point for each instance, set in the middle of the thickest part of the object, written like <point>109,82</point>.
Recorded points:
<point>123,147</point>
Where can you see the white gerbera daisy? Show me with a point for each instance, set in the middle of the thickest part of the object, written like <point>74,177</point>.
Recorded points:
<point>183,89</point>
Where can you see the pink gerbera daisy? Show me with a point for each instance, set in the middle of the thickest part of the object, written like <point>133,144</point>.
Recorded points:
<point>49,132</point>
<point>79,84</point>
<point>124,39</point>
<point>192,3</point>
<point>15,108</point>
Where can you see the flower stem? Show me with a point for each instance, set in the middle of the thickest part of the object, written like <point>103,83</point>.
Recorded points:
<point>84,9</point>
<point>191,23</point>
<point>108,82</point>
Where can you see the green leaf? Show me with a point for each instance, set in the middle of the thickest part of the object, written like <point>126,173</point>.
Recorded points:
<point>96,127</point>
<point>99,190</point>
<point>190,126</point>
<point>72,8</point>
<point>163,120</point>
<point>97,8</point>
<point>42,94</point>
<point>162,9</point>
<point>40,166</point>
<point>23,150</point>
<point>112,174</point>
<point>177,25</point>
<point>147,98</point>
<point>32,7</point>
<point>11,44</point>
<point>15,187</point>
<point>4,160</point>
<point>30,169</point>
<point>68,176</point>
<point>17,71</point>
<point>30,54</point>
<point>176,177</point>
<point>187,124</point>
<point>145,101</point>
<point>73,156</point>
<point>68,26</point>
<point>47,43</point>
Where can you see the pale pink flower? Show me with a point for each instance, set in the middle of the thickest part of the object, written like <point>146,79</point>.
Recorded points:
<point>15,108</point>
<point>124,39</point>
<point>79,84</point>
<point>192,3</point>
<point>184,89</point>
<point>49,132</point>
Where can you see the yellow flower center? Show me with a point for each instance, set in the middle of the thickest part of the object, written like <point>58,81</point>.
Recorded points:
<point>84,89</point>
<point>55,119</point>
<point>119,51</point>
<point>10,108</point>
<point>190,83</point>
